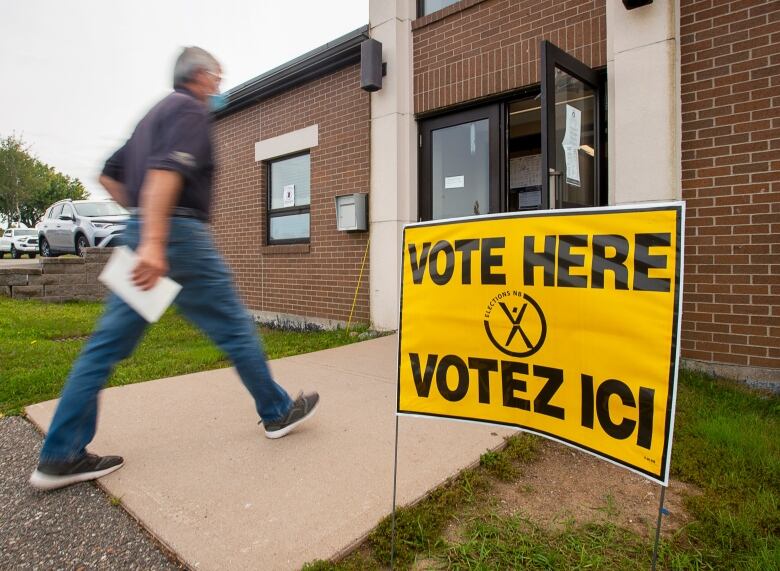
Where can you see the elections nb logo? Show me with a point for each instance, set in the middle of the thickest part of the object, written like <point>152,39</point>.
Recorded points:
<point>515,323</point>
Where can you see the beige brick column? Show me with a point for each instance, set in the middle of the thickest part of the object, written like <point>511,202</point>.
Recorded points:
<point>643,75</point>
<point>393,199</point>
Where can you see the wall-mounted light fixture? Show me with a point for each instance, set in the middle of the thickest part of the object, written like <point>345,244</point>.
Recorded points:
<point>631,4</point>
<point>371,67</point>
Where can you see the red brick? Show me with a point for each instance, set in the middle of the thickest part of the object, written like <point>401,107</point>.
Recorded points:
<point>326,273</point>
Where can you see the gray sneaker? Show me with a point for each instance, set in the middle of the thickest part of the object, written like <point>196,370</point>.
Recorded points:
<point>302,409</point>
<point>53,475</point>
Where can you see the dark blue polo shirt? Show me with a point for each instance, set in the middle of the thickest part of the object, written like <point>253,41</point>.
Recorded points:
<point>175,135</point>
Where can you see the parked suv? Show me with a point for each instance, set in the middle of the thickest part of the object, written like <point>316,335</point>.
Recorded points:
<point>18,241</point>
<point>69,226</point>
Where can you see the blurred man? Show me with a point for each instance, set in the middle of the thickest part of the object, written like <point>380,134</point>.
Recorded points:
<point>163,175</point>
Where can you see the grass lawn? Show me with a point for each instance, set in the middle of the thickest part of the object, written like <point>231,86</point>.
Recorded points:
<point>727,444</point>
<point>39,341</point>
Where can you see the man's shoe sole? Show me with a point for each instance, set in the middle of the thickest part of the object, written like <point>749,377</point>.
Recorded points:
<point>41,481</point>
<point>290,427</point>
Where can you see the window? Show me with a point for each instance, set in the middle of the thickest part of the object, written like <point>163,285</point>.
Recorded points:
<point>67,210</point>
<point>56,211</point>
<point>426,7</point>
<point>289,197</point>
<point>106,208</point>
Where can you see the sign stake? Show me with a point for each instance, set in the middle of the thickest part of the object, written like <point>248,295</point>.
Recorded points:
<point>657,527</point>
<point>395,480</point>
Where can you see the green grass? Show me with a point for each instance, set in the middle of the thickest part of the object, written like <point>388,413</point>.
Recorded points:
<point>727,444</point>
<point>39,341</point>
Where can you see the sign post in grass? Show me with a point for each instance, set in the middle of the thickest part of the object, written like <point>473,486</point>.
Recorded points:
<point>561,323</point>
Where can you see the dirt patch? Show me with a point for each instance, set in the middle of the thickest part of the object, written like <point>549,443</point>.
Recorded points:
<point>569,486</point>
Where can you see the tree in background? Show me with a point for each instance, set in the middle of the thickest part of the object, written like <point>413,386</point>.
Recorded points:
<point>29,186</point>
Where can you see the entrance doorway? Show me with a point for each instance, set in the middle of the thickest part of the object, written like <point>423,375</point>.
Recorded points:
<point>542,150</point>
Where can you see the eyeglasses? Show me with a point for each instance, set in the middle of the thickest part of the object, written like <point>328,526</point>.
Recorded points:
<point>216,76</point>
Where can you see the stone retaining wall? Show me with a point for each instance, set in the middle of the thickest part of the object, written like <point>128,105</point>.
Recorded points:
<point>58,279</point>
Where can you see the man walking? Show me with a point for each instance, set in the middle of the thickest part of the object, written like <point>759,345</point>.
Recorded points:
<point>163,174</point>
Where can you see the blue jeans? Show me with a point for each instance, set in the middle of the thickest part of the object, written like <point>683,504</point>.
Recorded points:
<point>208,298</point>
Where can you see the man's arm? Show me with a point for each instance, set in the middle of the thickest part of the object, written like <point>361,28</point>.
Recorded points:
<point>115,188</point>
<point>159,195</point>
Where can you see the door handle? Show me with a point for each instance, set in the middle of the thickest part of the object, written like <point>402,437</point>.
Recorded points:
<point>554,184</point>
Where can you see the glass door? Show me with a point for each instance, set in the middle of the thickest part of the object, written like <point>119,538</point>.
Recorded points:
<point>460,173</point>
<point>571,128</point>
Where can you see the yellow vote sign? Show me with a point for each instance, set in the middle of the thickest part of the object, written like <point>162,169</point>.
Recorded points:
<point>563,323</point>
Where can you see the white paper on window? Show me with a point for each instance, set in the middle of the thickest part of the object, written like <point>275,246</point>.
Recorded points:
<point>454,181</point>
<point>288,196</point>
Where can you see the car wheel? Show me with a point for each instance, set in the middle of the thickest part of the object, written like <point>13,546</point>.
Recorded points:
<point>45,249</point>
<point>31,256</point>
<point>81,244</point>
<point>14,253</point>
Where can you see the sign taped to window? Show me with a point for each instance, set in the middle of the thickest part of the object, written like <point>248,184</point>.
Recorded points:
<point>562,323</point>
<point>288,195</point>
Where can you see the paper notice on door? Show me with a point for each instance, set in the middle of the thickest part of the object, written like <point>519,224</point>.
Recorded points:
<point>149,304</point>
<point>454,181</point>
<point>571,144</point>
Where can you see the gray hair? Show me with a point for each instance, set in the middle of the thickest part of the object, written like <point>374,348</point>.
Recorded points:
<point>192,60</point>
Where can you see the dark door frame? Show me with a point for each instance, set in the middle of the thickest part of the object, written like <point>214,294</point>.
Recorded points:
<point>553,57</point>
<point>494,114</point>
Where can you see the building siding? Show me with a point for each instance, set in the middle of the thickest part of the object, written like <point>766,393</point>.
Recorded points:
<point>730,65</point>
<point>477,49</point>
<point>318,280</point>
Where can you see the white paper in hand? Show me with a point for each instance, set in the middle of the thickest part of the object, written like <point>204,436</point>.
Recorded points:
<point>117,276</point>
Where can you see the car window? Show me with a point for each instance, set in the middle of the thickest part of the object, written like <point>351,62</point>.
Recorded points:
<point>56,211</point>
<point>104,208</point>
<point>67,210</point>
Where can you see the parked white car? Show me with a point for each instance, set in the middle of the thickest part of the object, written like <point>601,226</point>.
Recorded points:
<point>70,226</point>
<point>18,241</point>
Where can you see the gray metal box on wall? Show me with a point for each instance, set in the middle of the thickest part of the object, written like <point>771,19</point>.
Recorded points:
<point>351,212</point>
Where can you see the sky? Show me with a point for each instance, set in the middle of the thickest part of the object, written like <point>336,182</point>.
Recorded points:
<point>77,75</point>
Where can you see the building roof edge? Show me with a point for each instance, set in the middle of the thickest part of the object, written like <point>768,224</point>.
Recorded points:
<point>316,63</point>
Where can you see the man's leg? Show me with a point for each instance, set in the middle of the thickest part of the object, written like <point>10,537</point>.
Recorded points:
<point>75,420</point>
<point>209,299</point>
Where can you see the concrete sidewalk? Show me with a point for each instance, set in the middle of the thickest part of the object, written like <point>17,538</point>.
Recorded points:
<point>203,479</point>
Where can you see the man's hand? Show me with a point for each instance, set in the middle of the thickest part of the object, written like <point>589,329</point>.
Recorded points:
<point>152,265</point>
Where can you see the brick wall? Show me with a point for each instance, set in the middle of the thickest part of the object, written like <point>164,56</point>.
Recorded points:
<point>318,279</point>
<point>478,48</point>
<point>57,279</point>
<point>730,58</point>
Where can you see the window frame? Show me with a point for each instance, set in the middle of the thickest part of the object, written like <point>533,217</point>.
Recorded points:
<point>421,8</point>
<point>70,207</point>
<point>552,58</point>
<point>290,210</point>
<point>491,112</point>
